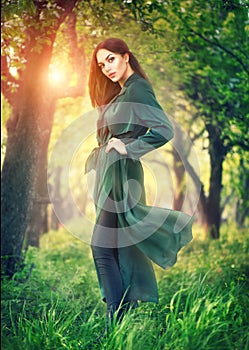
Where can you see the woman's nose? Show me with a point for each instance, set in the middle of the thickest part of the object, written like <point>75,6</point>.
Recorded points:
<point>107,67</point>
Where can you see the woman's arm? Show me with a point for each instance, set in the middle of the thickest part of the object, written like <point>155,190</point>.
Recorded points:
<point>150,114</point>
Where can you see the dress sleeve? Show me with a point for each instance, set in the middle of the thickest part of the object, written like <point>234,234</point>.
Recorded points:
<point>148,113</point>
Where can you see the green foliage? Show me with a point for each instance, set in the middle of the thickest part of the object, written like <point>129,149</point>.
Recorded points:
<point>211,50</point>
<point>17,7</point>
<point>235,182</point>
<point>5,114</point>
<point>203,300</point>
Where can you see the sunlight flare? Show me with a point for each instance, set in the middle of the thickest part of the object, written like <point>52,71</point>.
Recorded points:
<point>56,76</point>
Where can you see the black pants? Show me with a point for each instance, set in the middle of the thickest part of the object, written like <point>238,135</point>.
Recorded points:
<point>105,254</point>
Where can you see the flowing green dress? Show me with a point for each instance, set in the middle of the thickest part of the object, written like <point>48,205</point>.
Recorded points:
<point>145,233</point>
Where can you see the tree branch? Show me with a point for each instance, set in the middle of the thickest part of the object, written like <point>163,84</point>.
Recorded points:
<point>8,82</point>
<point>226,201</point>
<point>163,164</point>
<point>198,135</point>
<point>212,43</point>
<point>199,185</point>
<point>223,48</point>
<point>77,58</point>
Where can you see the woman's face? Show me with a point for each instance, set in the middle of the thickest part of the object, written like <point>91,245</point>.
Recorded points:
<point>115,66</point>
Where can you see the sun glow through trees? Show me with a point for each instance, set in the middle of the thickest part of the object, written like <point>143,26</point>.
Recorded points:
<point>57,76</point>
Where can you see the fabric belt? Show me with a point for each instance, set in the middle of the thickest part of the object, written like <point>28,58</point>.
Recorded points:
<point>93,156</point>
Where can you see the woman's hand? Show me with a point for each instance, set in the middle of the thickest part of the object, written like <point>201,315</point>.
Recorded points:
<point>116,144</point>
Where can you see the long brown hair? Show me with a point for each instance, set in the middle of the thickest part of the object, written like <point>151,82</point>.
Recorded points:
<point>101,88</point>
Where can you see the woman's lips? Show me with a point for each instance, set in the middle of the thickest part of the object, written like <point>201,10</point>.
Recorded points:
<point>112,75</point>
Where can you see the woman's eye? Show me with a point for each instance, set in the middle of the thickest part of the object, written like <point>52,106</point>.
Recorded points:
<point>111,59</point>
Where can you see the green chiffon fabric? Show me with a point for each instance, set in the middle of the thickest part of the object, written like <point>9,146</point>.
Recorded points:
<point>145,233</point>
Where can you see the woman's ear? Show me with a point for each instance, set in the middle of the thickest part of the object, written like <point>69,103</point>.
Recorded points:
<point>126,57</point>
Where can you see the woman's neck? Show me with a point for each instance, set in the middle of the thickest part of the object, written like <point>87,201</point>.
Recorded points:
<point>127,74</point>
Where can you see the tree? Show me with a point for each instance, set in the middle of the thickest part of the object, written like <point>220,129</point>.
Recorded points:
<point>211,51</point>
<point>214,84</point>
<point>29,31</point>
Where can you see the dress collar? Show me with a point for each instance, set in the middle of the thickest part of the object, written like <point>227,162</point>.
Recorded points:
<point>131,78</point>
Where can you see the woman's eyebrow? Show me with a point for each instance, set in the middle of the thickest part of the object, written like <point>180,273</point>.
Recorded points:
<point>105,58</point>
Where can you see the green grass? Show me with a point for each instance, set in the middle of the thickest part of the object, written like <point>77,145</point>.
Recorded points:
<point>204,301</point>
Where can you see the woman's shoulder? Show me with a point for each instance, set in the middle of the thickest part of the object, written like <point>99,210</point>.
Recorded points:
<point>141,91</point>
<point>140,82</point>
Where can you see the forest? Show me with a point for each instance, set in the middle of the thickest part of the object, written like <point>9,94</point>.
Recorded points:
<point>196,55</point>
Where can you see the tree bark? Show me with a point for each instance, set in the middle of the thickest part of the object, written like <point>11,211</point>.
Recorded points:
<point>242,208</point>
<point>209,206</point>
<point>29,127</point>
<point>179,171</point>
<point>38,222</point>
<point>54,189</point>
<point>19,176</point>
<point>26,130</point>
<point>217,152</point>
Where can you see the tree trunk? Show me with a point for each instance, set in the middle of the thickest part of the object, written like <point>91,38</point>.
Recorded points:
<point>38,222</point>
<point>242,213</point>
<point>242,208</point>
<point>37,225</point>
<point>213,204</point>
<point>209,206</point>
<point>31,124</point>
<point>217,152</point>
<point>179,172</point>
<point>54,189</point>
<point>202,203</point>
<point>18,186</point>
<point>24,164</point>
<point>26,130</point>
<point>180,153</point>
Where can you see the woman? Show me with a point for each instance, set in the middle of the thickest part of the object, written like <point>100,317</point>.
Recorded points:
<point>128,234</point>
